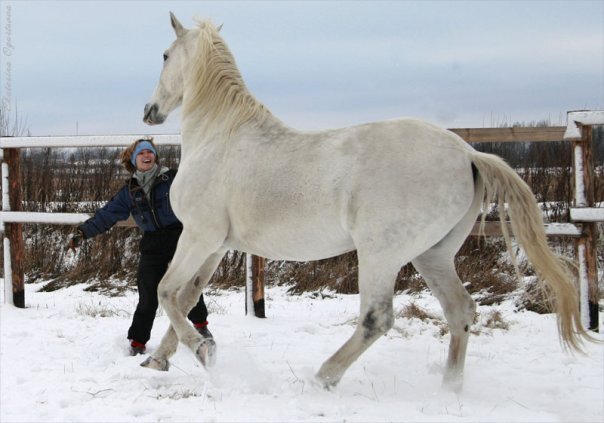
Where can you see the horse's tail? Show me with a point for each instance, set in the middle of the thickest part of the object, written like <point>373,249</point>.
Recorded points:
<point>526,220</point>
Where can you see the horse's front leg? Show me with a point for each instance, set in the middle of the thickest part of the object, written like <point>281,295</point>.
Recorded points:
<point>188,297</point>
<point>177,300</point>
<point>376,289</point>
<point>167,348</point>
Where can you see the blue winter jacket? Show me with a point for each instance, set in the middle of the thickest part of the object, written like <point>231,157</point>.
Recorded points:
<point>150,214</point>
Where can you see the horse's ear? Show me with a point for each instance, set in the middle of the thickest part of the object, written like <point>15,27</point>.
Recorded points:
<point>219,28</point>
<point>178,28</point>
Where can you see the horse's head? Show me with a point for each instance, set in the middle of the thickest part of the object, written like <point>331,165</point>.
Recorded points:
<point>200,74</point>
<point>169,92</point>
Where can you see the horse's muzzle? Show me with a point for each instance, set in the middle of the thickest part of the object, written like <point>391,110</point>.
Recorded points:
<point>152,115</point>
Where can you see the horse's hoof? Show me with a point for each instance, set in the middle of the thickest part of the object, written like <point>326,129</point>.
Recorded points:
<point>324,383</point>
<point>206,352</point>
<point>453,384</point>
<point>160,364</point>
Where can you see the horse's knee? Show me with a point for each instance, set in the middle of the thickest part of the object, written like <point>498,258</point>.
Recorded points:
<point>197,283</point>
<point>162,297</point>
<point>165,295</point>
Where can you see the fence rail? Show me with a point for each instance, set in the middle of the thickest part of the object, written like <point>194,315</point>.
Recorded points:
<point>83,141</point>
<point>584,215</point>
<point>516,134</point>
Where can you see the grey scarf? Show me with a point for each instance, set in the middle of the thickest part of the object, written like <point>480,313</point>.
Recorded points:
<point>145,179</point>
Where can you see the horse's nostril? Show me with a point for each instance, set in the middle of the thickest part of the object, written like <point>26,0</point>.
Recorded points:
<point>152,115</point>
<point>150,109</point>
<point>150,112</point>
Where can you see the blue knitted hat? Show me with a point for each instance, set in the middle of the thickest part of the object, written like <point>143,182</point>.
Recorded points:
<point>143,145</point>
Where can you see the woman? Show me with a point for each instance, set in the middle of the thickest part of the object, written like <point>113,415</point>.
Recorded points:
<point>146,196</point>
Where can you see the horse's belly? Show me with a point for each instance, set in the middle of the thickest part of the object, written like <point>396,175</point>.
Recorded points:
<point>291,242</point>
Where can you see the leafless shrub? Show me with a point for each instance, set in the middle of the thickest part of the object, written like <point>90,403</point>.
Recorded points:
<point>533,298</point>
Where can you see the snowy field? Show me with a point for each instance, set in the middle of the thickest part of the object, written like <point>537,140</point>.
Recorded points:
<point>64,359</point>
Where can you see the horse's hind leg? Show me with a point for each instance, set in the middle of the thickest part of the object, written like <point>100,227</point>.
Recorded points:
<point>438,269</point>
<point>439,272</point>
<point>376,289</point>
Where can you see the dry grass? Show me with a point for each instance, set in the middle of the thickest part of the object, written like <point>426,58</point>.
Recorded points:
<point>413,311</point>
<point>100,309</point>
<point>494,320</point>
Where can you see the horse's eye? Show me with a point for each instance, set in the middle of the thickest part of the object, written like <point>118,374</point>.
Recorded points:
<point>165,57</point>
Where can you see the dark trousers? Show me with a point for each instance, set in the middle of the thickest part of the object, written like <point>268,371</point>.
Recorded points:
<point>157,249</point>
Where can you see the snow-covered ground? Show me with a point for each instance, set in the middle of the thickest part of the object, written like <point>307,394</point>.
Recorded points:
<point>64,358</point>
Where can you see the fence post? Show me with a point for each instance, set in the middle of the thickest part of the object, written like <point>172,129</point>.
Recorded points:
<point>254,287</point>
<point>14,231</point>
<point>258,285</point>
<point>586,244</point>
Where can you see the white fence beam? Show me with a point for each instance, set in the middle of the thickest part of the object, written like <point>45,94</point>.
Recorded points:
<point>552,229</point>
<point>39,217</point>
<point>52,218</point>
<point>562,229</point>
<point>85,141</point>
<point>587,214</point>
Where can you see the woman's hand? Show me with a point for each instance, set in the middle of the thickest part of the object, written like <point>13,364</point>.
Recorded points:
<point>74,240</point>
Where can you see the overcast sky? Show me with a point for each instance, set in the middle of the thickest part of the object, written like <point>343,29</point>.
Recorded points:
<point>90,66</point>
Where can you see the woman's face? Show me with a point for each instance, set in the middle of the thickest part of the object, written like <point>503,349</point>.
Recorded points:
<point>145,160</point>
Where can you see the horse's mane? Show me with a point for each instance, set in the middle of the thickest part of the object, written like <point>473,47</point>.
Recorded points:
<point>215,94</point>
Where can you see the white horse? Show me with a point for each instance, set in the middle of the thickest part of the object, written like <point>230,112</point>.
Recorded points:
<point>397,191</point>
